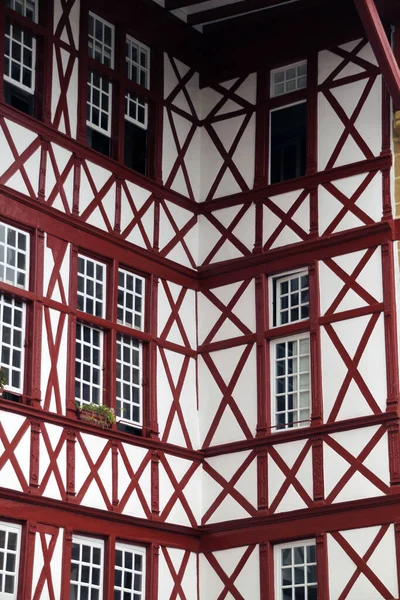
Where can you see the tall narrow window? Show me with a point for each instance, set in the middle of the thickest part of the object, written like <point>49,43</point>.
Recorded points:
<point>130,307</point>
<point>296,571</point>
<point>136,109</point>
<point>288,124</point>
<point>14,268</point>
<point>129,574</point>
<point>292,382</point>
<point>99,88</point>
<point>86,569</point>
<point>290,298</point>
<point>89,339</point>
<point>10,542</point>
<point>20,49</point>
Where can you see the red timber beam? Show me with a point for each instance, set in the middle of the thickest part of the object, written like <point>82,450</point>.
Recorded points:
<point>380,44</point>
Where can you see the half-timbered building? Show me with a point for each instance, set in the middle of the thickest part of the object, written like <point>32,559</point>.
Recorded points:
<point>199,225</point>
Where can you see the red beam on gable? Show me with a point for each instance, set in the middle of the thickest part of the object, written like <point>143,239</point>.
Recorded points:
<point>380,44</point>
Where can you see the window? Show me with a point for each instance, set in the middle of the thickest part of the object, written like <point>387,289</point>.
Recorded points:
<point>87,566</point>
<point>14,268</point>
<point>92,342</point>
<point>290,298</point>
<point>292,394</point>
<point>288,79</point>
<point>20,51</point>
<point>10,542</point>
<point>296,571</point>
<point>288,124</point>
<point>86,569</point>
<point>290,355</point>
<point>106,83</point>
<point>129,574</point>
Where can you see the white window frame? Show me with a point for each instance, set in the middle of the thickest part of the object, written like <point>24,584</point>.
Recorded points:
<point>86,277</point>
<point>17,529</point>
<point>284,71</point>
<point>125,291</point>
<point>18,83</point>
<point>12,4</point>
<point>123,418</point>
<point>278,564</point>
<point>10,302</point>
<point>106,132</point>
<point>7,248</point>
<point>103,45</point>
<point>135,550</point>
<point>283,107</point>
<point>82,381</point>
<point>131,41</point>
<point>296,424</point>
<point>93,543</point>
<point>275,312</point>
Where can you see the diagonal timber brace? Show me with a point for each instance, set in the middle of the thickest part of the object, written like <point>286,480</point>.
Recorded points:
<point>380,45</point>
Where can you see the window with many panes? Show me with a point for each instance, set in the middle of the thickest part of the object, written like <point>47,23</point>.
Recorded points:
<point>109,85</point>
<point>129,573</point>
<point>87,568</point>
<point>296,571</point>
<point>291,382</point>
<point>91,340</point>
<point>14,269</point>
<point>10,545</point>
<point>290,298</point>
<point>20,54</point>
<point>288,122</point>
<point>290,355</point>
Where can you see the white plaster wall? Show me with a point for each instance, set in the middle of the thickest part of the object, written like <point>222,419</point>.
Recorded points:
<point>40,563</point>
<point>227,507</point>
<point>244,394</point>
<point>180,467</point>
<point>210,235</point>
<point>12,424</point>
<point>210,313</point>
<point>382,563</point>
<point>134,455</point>
<point>371,367</point>
<point>94,446</point>
<point>176,365</point>
<point>188,581</point>
<point>247,582</point>
<point>368,122</point>
<point>359,485</point>
<point>49,442</point>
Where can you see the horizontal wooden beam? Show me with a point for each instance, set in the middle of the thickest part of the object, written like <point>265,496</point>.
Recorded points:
<point>175,4</point>
<point>232,10</point>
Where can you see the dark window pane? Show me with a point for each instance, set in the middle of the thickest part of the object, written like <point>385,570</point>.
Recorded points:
<point>288,142</point>
<point>135,147</point>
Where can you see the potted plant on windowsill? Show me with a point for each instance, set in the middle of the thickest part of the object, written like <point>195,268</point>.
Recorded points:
<point>99,414</point>
<point>3,380</point>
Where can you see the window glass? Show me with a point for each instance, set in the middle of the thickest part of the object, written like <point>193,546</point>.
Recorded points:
<point>291,298</point>
<point>86,569</point>
<point>130,299</point>
<point>129,402</point>
<point>296,571</point>
<point>288,79</point>
<point>88,364</point>
<point>14,257</point>
<point>10,540</point>
<point>291,381</point>
<point>129,574</point>
<point>101,40</point>
<point>288,142</point>
<point>12,340</point>
<point>91,286</point>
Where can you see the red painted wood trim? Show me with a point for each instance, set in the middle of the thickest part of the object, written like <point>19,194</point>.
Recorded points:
<point>70,475</point>
<point>229,343</point>
<point>27,557</point>
<point>151,388</point>
<point>298,524</point>
<point>390,324</point>
<point>262,126</point>
<point>262,480</point>
<point>397,544</point>
<point>312,114</point>
<point>322,566</point>
<point>394,454</point>
<point>276,260</point>
<point>380,44</point>
<point>34,456</point>
<point>153,555</point>
<point>369,165</point>
<point>318,469</point>
<point>267,579</point>
<point>315,347</point>
<point>67,555</point>
<point>262,356</point>
<point>285,435</point>
<point>155,484</point>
